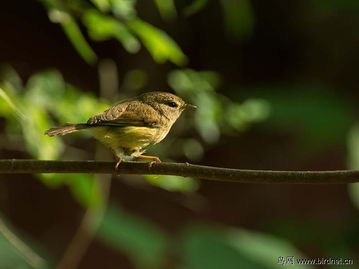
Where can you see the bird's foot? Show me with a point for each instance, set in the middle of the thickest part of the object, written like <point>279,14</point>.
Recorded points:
<point>154,159</point>
<point>118,161</point>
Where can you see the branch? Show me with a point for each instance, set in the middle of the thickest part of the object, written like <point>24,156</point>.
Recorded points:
<point>180,169</point>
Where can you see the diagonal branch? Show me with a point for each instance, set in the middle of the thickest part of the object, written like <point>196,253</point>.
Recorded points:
<point>180,169</point>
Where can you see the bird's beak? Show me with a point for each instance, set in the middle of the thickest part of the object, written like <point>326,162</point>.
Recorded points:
<point>190,106</point>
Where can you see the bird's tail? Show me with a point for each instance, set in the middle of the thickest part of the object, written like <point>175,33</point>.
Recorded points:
<point>66,129</point>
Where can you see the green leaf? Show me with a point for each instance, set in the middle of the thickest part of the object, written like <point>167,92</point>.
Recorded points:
<point>204,246</point>
<point>216,113</point>
<point>158,43</point>
<point>51,180</point>
<point>66,107</point>
<point>33,128</point>
<point>103,5</point>
<point>239,116</point>
<point>209,108</point>
<point>74,34</point>
<point>262,248</point>
<point>85,188</point>
<point>90,105</point>
<point>173,183</point>
<point>10,78</point>
<point>101,27</point>
<point>9,104</point>
<point>199,87</point>
<point>166,8</point>
<point>33,111</point>
<point>143,242</point>
<point>195,7</point>
<point>124,8</point>
<point>193,149</point>
<point>187,81</point>
<point>33,121</point>
<point>45,87</point>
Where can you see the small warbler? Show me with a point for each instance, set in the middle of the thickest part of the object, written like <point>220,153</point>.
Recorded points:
<point>128,127</point>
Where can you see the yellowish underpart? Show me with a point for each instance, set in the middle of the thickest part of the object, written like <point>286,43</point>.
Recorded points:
<point>131,137</point>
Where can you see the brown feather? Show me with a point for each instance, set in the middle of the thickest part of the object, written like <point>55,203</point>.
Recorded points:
<point>133,113</point>
<point>66,129</point>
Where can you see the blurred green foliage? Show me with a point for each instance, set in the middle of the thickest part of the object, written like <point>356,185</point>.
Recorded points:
<point>102,27</point>
<point>173,183</point>
<point>212,247</point>
<point>117,19</point>
<point>198,246</point>
<point>311,232</point>
<point>167,9</point>
<point>143,242</point>
<point>158,43</point>
<point>194,7</point>
<point>16,252</point>
<point>31,110</point>
<point>216,113</point>
<point>74,34</point>
<point>318,118</point>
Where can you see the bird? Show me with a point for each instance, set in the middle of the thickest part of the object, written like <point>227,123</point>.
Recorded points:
<point>129,127</point>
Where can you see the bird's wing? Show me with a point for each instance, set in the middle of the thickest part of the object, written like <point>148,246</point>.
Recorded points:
<point>132,113</point>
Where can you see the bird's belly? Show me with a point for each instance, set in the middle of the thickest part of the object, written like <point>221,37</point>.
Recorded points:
<point>131,137</point>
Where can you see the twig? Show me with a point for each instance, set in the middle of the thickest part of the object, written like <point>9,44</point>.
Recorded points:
<point>180,169</point>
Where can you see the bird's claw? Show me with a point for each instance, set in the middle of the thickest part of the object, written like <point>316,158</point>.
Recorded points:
<point>151,163</point>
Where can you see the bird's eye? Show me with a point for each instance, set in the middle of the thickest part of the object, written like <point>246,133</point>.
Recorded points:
<point>172,104</point>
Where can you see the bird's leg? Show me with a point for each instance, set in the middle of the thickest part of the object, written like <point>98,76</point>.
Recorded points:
<point>154,159</point>
<point>118,161</point>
